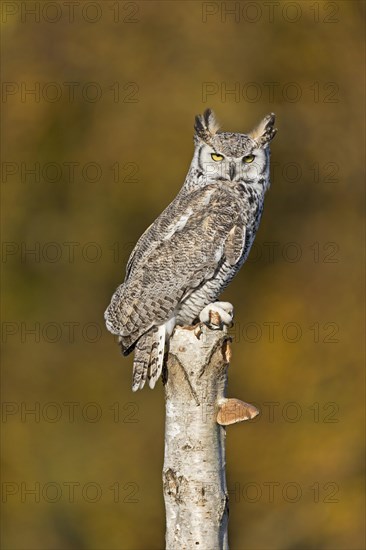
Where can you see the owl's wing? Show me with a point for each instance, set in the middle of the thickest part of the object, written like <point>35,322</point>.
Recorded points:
<point>141,245</point>
<point>180,251</point>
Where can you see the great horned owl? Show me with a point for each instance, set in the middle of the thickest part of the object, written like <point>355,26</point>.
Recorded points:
<point>194,248</point>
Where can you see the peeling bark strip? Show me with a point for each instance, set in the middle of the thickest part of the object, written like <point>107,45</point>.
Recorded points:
<point>194,481</point>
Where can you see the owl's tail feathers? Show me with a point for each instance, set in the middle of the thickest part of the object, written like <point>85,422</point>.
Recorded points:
<point>141,361</point>
<point>157,356</point>
<point>149,358</point>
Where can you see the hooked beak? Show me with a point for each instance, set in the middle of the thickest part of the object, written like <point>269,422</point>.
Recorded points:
<point>232,170</point>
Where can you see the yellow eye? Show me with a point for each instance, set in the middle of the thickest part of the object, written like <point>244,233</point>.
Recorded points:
<point>216,158</point>
<point>248,159</point>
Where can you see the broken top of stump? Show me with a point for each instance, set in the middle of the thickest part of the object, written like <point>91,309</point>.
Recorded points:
<point>198,358</point>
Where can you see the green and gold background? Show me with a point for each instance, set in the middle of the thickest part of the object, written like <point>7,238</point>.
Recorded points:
<point>98,102</point>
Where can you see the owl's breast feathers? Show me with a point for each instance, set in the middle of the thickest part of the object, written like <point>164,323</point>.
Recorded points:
<point>180,251</point>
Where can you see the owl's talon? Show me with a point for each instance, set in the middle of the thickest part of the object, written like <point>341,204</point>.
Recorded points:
<point>198,331</point>
<point>217,314</point>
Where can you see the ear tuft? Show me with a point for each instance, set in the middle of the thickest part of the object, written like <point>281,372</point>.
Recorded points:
<point>206,125</point>
<point>265,131</point>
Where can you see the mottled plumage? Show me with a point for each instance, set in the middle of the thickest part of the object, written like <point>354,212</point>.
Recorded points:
<point>190,253</point>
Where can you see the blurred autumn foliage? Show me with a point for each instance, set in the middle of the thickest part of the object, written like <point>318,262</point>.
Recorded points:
<point>97,112</point>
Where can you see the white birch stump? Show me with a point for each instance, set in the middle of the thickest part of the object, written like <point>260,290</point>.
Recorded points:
<point>194,481</point>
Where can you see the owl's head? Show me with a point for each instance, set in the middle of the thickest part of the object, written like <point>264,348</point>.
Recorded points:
<point>241,158</point>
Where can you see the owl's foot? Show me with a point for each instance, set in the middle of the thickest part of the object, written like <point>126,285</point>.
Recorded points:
<point>217,314</point>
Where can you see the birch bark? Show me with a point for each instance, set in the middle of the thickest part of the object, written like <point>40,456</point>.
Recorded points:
<point>194,481</point>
